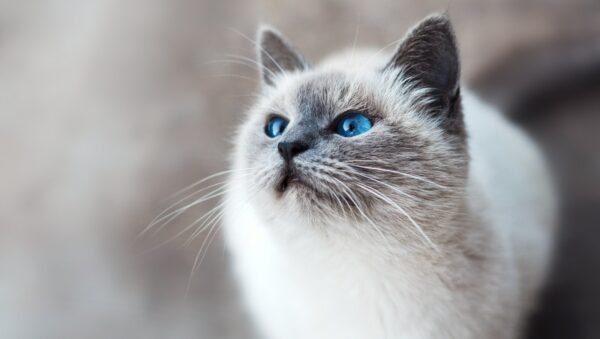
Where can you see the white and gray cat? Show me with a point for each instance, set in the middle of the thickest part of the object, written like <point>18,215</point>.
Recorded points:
<point>372,198</point>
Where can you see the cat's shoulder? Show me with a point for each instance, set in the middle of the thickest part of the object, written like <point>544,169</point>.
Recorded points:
<point>506,162</point>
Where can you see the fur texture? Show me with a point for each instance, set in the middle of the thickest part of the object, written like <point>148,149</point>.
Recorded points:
<point>436,223</point>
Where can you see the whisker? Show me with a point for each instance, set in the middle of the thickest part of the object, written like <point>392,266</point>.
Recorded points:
<point>235,76</point>
<point>387,185</point>
<point>254,62</point>
<point>174,214</point>
<point>168,215</point>
<point>351,196</point>
<point>259,47</point>
<point>393,204</point>
<point>381,196</point>
<point>214,175</point>
<point>183,231</point>
<point>199,258</point>
<point>166,210</point>
<point>412,176</point>
<point>345,202</point>
<point>206,219</point>
<point>213,225</point>
<point>214,218</point>
<point>223,183</point>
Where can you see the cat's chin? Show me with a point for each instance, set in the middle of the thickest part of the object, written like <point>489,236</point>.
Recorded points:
<point>297,189</point>
<point>291,182</point>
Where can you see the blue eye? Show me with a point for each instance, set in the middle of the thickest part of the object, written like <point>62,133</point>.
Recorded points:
<point>275,126</point>
<point>353,124</point>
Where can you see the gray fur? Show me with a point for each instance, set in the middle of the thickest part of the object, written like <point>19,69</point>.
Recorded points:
<point>312,105</point>
<point>429,57</point>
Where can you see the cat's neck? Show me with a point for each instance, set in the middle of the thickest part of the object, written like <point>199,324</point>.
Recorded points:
<point>453,237</point>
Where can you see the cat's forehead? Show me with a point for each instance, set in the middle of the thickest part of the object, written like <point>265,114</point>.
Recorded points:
<point>321,94</point>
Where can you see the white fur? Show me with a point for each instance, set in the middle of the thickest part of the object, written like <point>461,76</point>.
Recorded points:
<point>298,284</point>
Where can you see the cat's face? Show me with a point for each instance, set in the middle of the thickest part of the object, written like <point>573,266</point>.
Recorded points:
<point>366,142</point>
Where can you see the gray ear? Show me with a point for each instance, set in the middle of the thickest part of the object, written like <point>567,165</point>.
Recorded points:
<point>428,56</point>
<point>276,55</point>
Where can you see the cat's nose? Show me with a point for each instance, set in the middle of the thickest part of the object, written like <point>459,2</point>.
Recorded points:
<point>289,150</point>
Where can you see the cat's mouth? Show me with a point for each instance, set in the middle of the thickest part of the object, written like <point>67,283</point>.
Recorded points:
<point>288,180</point>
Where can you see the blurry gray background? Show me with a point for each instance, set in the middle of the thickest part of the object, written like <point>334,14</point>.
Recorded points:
<point>107,107</point>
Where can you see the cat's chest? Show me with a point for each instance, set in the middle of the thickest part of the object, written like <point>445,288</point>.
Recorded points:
<point>312,293</point>
<point>318,300</point>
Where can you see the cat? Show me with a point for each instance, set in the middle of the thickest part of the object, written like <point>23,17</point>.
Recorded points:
<point>371,197</point>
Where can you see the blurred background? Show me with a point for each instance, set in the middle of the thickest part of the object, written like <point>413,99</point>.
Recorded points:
<point>108,107</point>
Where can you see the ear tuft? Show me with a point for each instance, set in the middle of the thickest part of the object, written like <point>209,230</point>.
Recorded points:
<point>276,55</point>
<point>429,56</point>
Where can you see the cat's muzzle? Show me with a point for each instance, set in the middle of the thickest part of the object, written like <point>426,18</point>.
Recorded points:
<point>289,177</point>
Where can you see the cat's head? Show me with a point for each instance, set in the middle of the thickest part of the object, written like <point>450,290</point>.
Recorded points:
<point>363,136</point>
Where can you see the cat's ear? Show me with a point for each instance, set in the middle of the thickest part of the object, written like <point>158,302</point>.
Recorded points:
<point>276,55</point>
<point>428,56</point>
